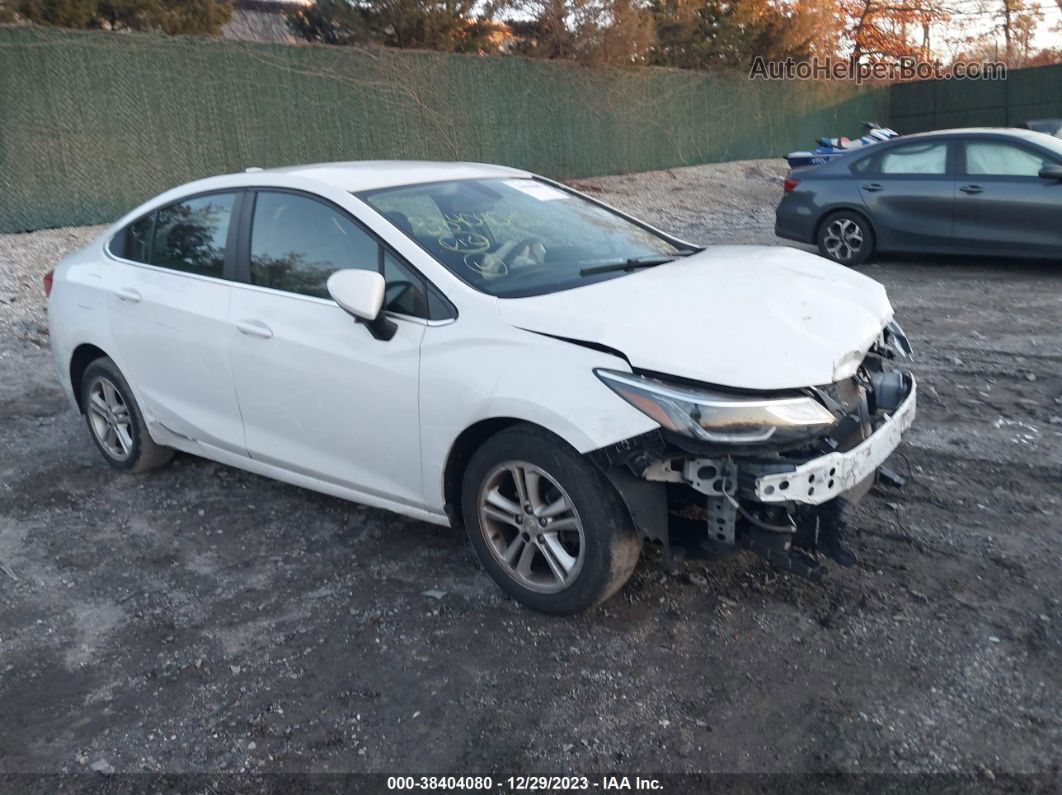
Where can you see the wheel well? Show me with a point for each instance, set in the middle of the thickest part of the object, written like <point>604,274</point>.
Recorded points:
<point>853,211</point>
<point>461,452</point>
<point>84,355</point>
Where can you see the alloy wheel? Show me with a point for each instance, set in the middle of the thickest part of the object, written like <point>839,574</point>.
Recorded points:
<point>531,526</point>
<point>843,239</point>
<point>110,419</point>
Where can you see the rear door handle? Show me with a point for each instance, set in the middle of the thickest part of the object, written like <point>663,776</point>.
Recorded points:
<point>971,189</point>
<point>873,186</point>
<point>128,294</point>
<point>254,328</point>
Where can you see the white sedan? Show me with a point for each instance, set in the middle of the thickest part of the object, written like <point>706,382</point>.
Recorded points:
<point>475,345</point>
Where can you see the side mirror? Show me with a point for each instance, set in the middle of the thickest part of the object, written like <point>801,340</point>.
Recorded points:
<point>360,293</point>
<point>1051,172</point>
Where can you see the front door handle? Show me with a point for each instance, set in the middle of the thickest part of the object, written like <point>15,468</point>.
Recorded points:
<point>128,294</point>
<point>873,186</point>
<point>971,189</point>
<point>254,328</point>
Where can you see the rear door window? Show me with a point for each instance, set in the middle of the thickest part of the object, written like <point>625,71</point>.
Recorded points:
<point>916,158</point>
<point>191,235</point>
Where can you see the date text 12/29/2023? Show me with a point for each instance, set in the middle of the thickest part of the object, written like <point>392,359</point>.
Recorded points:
<point>522,783</point>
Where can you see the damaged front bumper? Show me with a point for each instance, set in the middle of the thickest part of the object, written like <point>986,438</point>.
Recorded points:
<point>788,507</point>
<point>824,478</point>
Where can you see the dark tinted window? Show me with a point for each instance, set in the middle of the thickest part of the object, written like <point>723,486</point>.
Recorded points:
<point>134,242</point>
<point>405,290</point>
<point>297,243</point>
<point>190,235</point>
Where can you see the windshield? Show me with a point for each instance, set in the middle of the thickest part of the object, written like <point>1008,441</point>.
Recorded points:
<point>519,237</point>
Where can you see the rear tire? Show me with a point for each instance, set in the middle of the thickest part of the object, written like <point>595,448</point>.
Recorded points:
<point>569,544</point>
<point>846,237</point>
<point>115,422</point>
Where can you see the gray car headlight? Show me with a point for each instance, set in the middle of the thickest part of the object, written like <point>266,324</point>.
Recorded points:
<point>720,417</point>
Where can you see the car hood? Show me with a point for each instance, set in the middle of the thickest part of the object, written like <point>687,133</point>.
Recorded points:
<point>751,317</point>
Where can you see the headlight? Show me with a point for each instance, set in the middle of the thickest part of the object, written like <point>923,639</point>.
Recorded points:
<point>717,416</point>
<point>897,341</point>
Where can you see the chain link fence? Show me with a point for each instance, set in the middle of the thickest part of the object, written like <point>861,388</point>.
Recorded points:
<point>92,123</point>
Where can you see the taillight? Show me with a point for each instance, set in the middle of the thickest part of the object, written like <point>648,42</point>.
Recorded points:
<point>48,283</point>
<point>789,184</point>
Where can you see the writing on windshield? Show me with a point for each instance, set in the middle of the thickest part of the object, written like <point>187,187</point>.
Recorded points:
<point>517,237</point>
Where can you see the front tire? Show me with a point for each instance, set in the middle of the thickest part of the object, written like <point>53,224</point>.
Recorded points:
<point>846,238</point>
<point>545,523</point>
<point>115,422</point>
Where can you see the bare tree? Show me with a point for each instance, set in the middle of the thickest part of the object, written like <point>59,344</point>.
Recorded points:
<point>879,29</point>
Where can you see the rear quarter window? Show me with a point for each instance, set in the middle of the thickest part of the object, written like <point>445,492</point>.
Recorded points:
<point>862,165</point>
<point>134,241</point>
<point>190,236</point>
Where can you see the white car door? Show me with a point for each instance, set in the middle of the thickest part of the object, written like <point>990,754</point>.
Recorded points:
<point>168,310</point>
<point>319,395</point>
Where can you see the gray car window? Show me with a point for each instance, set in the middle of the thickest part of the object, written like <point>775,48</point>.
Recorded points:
<point>1003,159</point>
<point>916,158</point>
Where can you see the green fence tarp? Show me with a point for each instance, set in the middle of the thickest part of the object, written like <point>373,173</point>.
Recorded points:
<point>1025,94</point>
<point>93,123</point>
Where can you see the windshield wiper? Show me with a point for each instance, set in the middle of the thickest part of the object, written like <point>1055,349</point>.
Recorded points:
<point>635,262</point>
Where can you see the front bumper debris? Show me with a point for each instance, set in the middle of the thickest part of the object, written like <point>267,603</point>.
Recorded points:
<point>822,479</point>
<point>791,507</point>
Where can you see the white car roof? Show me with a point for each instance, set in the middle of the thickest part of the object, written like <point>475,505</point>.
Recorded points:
<point>359,175</point>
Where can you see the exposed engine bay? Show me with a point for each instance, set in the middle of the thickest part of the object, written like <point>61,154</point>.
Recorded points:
<point>787,500</point>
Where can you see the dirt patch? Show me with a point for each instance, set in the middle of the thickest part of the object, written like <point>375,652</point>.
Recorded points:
<point>204,619</point>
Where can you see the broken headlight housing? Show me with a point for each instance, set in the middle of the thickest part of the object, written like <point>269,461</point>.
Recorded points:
<point>896,341</point>
<point>719,417</point>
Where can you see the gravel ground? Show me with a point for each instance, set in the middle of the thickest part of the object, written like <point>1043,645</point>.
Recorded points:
<point>204,619</point>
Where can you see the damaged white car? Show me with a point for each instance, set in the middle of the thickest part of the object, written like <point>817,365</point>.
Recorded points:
<point>478,346</point>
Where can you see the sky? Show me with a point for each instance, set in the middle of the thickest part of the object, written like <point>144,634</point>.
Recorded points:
<point>1045,37</point>
<point>965,23</point>
<point>959,26</point>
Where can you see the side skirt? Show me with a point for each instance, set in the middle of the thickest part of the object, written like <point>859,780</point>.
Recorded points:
<point>186,445</point>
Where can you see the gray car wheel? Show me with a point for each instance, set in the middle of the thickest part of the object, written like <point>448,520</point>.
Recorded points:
<point>846,237</point>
